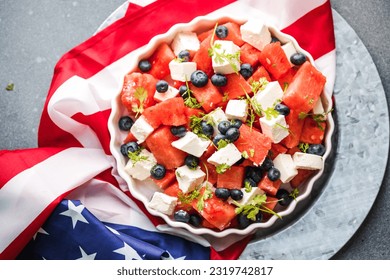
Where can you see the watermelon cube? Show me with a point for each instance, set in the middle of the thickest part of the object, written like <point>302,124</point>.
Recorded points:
<point>295,125</point>
<point>160,61</point>
<point>249,54</point>
<point>312,132</point>
<point>275,60</point>
<point>236,86</point>
<point>202,58</point>
<point>208,96</point>
<point>232,178</point>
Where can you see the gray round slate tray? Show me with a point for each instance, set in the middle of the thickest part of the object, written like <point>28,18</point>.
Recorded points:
<point>341,199</point>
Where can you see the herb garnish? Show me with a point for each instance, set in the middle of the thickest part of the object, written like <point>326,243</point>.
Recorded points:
<point>259,85</point>
<point>222,168</point>
<point>136,156</point>
<point>10,87</point>
<point>195,124</point>
<point>303,147</point>
<point>189,100</point>
<point>140,94</point>
<point>256,205</point>
<point>294,194</point>
<point>318,118</point>
<point>207,194</point>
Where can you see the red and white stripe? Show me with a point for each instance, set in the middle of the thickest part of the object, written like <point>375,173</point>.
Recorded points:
<point>73,135</point>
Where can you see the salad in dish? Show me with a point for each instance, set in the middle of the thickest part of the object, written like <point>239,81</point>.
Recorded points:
<point>227,123</point>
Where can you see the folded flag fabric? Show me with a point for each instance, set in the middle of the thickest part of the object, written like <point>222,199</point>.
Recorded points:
<point>64,199</point>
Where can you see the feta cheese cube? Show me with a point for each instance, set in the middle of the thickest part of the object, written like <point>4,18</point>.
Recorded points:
<point>185,41</point>
<point>228,155</point>
<point>141,129</point>
<point>189,179</point>
<point>269,96</point>
<point>275,128</point>
<point>248,196</point>
<point>216,116</point>
<point>181,71</point>
<point>162,96</point>
<point>256,33</point>
<point>237,109</point>
<point>308,161</point>
<point>140,169</point>
<point>163,203</point>
<point>318,109</point>
<point>226,48</point>
<point>191,144</point>
<point>285,164</point>
<point>289,50</point>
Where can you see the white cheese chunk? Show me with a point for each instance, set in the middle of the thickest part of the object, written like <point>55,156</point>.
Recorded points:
<point>226,48</point>
<point>318,109</point>
<point>248,196</point>
<point>256,33</point>
<point>141,129</point>
<point>289,50</point>
<point>163,203</point>
<point>189,179</point>
<point>237,109</point>
<point>185,41</point>
<point>285,164</point>
<point>162,96</point>
<point>228,155</point>
<point>140,169</point>
<point>269,96</point>
<point>308,161</point>
<point>191,144</point>
<point>275,128</point>
<point>181,71</point>
<point>216,116</point>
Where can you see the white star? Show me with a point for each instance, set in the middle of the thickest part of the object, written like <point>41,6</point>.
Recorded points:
<point>40,230</point>
<point>170,257</point>
<point>128,252</point>
<point>74,212</point>
<point>85,256</point>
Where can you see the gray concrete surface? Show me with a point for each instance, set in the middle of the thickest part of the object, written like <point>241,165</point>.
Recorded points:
<point>34,35</point>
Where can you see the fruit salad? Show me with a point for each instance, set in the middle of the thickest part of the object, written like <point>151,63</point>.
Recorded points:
<point>227,122</point>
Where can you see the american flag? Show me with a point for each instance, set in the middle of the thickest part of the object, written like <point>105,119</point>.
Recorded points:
<point>64,199</point>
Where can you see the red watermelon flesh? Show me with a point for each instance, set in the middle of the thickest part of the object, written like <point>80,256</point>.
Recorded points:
<point>208,96</point>
<point>234,34</point>
<point>259,73</point>
<point>202,58</point>
<point>169,112</point>
<point>274,60</point>
<point>160,144</point>
<point>160,61</point>
<point>232,179</point>
<point>295,125</point>
<point>249,54</point>
<point>312,132</point>
<point>305,89</point>
<point>236,86</point>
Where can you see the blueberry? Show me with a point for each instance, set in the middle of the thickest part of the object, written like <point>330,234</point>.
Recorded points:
<point>217,138</point>
<point>239,162</point>
<point>183,90</point>
<point>191,161</point>
<point>222,193</point>
<point>316,149</point>
<point>125,123</point>
<point>199,78</point>
<point>223,126</point>
<point>184,55</point>
<point>236,123</point>
<point>267,164</point>
<point>250,182</point>
<point>259,217</point>
<point>144,65</point>
<point>181,216</point>
<point>207,129</point>
<point>218,80</point>
<point>284,197</point>
<point>246,70</point>
<point>298,59</point>
<point>195,220</point>
<point>129,147</point>
<point>221,32</point>
<point>243,221</point>
<point>178,131</point>
<point>273,174</point>
<point>254,173</point>
<point>232,134</point>
<point>282,109</point>
<point>162,86</point>
<point>158,171</point>
<point>236,194</point>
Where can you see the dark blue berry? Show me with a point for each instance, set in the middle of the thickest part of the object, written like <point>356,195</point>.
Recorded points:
<point>283,197</point>
<point>218,80</point>
<point>316,149</point>
<point>178,131</point>
<point>129,147</point>
<point>223,126</point>
<point>144,65</point>
<point>267,164</point>
<point>250,182</point>
<point>207,129</point>
<point>184,55</point>
<point>125,123</point>
<point>246,70</point>
<point>222,193</point>
<point>191,161</point>
<point>236,123</point>
<point>183,90</point>
<point>282,109</point>
<point>273,174</point>
<point>218,138</point>
<point>232,134</point>
<point>221,32</point>
<point>254,173</point>
<point>298,59</point>
<point>199,78</point>
<point>243,221</point>
<point>195,220</point>
<point>239,162</point>
<point>259,217</point>
<point>181,216</point>
<point>158,171</point>
<point>236,194</point>
<point>162,86</point>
